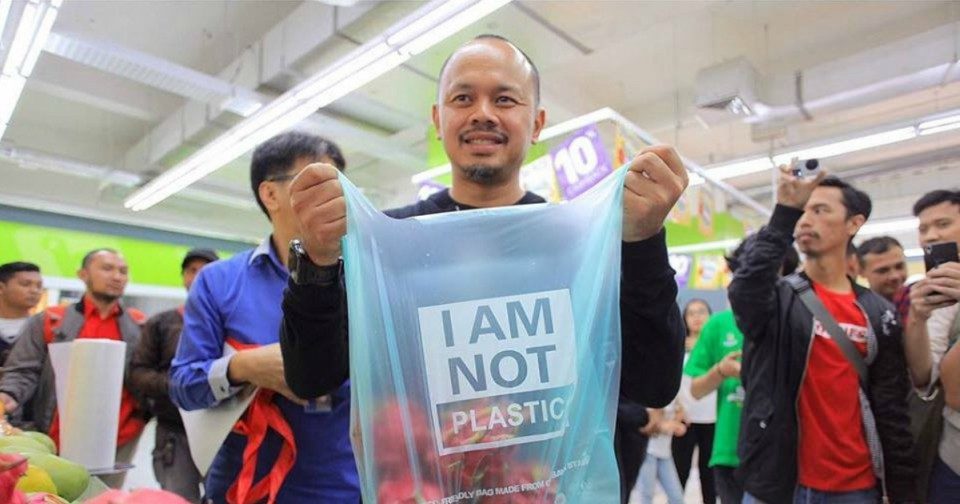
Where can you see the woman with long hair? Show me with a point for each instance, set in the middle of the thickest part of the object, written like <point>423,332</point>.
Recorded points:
<point>700,415</point>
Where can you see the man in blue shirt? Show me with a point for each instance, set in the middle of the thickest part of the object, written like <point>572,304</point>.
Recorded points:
<point>283,449</point>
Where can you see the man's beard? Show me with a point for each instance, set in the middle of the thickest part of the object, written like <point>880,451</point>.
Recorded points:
<point>103,297</point>
<point>484,175</point>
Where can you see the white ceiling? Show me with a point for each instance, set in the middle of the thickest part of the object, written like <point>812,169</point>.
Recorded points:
<point>84,133</point>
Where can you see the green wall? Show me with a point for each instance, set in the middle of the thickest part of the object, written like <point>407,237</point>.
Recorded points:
<point>59,252</point>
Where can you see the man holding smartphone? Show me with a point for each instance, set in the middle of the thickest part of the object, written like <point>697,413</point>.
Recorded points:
<point>939,216</point>
<point>933,326</point>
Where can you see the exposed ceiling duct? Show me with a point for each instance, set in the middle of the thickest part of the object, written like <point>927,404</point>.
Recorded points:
<point>151,71</point>
<point>32,160</point>
<point>211,97</point>
<point>729,91</point>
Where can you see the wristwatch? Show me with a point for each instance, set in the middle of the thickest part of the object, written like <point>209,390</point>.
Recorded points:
<point>304,272</point>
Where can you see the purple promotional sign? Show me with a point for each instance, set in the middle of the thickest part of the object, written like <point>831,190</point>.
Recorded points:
<point>682,265</point>
<point>580,162</point>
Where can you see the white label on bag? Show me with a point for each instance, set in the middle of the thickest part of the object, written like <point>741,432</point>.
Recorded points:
<point>500,371</point>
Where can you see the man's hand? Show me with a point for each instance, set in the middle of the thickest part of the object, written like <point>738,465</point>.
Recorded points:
<point>321,210</point>
<point>9,404</point>
<point>654,183</point>
<point>940,289</point>
<point>945,279</point>
<point>261,367</point>
<point>729,366</point>
<point>793,191</point>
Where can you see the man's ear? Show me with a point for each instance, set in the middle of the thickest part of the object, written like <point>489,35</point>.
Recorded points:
<point>855,223</point>
<point>538,121</point>
<point>269,196</point>
<point>435,116</point>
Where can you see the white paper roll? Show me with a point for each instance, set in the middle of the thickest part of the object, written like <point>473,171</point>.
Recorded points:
<point>89,400</point>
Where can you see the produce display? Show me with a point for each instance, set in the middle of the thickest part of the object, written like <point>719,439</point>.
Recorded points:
<point>32,473</point>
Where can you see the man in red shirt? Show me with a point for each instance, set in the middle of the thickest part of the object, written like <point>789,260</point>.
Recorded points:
<point>99,314</point>
<point>808,434</point>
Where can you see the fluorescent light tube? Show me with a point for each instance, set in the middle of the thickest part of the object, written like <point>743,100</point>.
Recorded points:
<point>343,71</point>
<point>889,226</point>
<point>939,129</point>
<point>701,247</point>
<point>432,18</point>
<point>4,12</point>
<point>848,146</point>
<point>933,123</point>
<point>39,40</point>
<point>22,39</point>
<point>740,168</point>
<point>358,79</point>
<point>456,23</point>
<point>913,252</point>
<point>348,74</point>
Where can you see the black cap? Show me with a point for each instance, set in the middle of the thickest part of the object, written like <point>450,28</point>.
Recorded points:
<point>199,253</point>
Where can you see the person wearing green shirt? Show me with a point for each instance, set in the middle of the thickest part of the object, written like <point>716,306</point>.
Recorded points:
<point>714,364</point>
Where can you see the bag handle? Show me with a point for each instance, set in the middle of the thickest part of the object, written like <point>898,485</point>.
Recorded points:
<point>805,292</point>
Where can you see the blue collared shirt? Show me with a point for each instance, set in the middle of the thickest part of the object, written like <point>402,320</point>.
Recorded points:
<point>239,299</point>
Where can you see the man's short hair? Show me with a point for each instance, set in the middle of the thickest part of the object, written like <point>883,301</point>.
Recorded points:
<point>198,254</point>
<point>89,255</point>
<point>276,157</point>
<point>535,72</point>
<point>791,259</point>
<point>855,201</point>
<point>934,198</point>
<point>877,245</point>
<point>8,270</point>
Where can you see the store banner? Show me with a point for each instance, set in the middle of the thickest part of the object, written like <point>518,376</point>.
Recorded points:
<point>580,161</point>
<point>709,272</point>
<point>681,264</point>
<point>620,154</point>
<point>705,211</point>
<point>683,210</point>
<point>538,177</point>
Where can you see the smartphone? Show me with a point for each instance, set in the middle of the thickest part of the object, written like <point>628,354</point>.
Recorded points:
<point>806,168</point>
<point>936,254</point>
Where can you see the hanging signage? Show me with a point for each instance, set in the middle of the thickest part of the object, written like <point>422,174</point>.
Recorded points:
<point>682,264</point>
<point>580,162</point>
<point>709,272</point>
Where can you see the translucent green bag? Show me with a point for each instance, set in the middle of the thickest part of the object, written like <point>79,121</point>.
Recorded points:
<point>485,350</point>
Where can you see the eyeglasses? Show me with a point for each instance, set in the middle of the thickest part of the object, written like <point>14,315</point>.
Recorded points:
<point>281,178</point>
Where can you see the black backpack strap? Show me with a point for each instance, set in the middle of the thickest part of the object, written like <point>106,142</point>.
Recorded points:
<point>809,298</point>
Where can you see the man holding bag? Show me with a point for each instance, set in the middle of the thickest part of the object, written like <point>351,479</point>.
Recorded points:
<point>487,116</point>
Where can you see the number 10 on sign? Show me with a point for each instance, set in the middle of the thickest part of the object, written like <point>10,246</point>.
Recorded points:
<point>580,162</point>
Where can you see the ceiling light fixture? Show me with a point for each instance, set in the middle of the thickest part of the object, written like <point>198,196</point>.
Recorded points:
<point>940,121</point>
<point>29,36</point>
<point>702,247</point>
<point>897,133</point>
<point>889,226</point>
<point>913,252</point>
<point>414,34</point>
